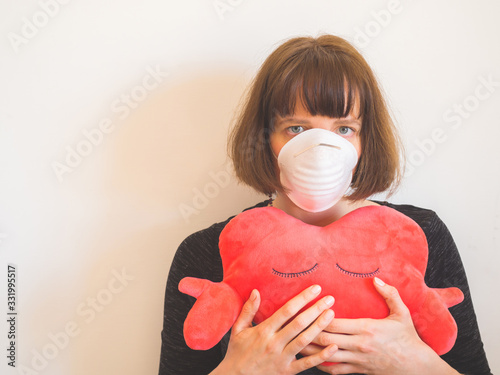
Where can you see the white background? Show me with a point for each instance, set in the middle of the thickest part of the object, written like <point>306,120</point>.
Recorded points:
<point>121,208</point>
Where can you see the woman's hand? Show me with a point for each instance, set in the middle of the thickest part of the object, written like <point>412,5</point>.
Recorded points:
<point>387,346</point>
<point>270,347</point>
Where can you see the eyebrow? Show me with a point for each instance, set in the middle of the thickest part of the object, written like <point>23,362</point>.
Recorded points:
<point>349,121</point>
<point>294,120</point>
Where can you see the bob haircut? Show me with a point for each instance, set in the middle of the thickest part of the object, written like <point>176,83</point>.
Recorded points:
<point>330,78</point>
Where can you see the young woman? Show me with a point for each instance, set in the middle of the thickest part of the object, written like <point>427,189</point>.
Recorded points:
<point>324,85</point>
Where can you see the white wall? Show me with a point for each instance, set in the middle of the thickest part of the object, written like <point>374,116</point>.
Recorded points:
<point>72,223</point>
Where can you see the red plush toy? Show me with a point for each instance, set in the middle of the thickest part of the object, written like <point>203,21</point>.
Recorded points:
<point>279,255</point>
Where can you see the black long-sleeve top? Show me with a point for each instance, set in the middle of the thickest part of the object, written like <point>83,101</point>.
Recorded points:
<point>198,256</point>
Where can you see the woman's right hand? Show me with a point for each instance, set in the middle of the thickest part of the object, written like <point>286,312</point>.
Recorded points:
<point>270,347</point>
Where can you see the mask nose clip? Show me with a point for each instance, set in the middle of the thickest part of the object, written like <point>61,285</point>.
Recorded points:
<point>316,145</point>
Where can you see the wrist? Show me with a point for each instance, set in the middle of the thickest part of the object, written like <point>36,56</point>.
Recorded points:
<point>435,365</point>
<point>224,369</point>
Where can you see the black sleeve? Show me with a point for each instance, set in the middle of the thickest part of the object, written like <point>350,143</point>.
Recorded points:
<point>445,269</point>
<point>197,256</point>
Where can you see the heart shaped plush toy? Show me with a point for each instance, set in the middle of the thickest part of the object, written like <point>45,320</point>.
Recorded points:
<point>279,255</point>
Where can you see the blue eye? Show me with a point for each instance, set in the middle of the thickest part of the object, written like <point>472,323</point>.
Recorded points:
<point>345,130</point>
<point>296,129</point>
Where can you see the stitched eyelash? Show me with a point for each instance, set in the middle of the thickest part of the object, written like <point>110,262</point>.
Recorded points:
<point>295,274</point>
<point>356,274</point>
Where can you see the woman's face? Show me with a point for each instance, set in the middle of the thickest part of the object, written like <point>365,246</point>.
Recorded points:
<point>285,128</point>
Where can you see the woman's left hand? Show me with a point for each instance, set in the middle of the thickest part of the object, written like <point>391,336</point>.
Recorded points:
<point>387,346</point>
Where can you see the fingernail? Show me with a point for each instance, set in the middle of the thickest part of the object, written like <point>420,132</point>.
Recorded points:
<point>316,289</point>
<point>253,295</point>
<point>329,300</point>
<point>328,314</point>
<point>379,282</point>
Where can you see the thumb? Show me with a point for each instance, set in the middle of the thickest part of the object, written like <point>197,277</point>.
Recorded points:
<point>392,298</point>
<point>248,312</point>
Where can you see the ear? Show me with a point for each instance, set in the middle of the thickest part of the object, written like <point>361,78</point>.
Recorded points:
<point>213,314</point>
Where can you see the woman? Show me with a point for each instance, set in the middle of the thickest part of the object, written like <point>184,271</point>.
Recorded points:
<point>323,84</point>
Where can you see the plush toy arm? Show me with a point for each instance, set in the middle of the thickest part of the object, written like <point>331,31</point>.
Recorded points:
<point>434,323</point>
<point>193,286</point>
<point>213,314</point>
<point>451,296</point>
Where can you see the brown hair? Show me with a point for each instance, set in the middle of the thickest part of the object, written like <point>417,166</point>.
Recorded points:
<point>330,77</point>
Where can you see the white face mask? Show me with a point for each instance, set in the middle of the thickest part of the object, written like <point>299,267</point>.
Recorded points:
<point>316,168</point>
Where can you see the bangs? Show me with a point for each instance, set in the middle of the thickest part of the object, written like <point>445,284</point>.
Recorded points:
<point>326,85</point>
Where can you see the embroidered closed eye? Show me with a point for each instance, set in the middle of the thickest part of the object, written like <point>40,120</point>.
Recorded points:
<point>357,274</point>
<point>295,274</point>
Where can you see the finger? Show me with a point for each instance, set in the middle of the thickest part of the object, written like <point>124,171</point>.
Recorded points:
<point>248,312</point>
<point>311,349</point>
<point>304,320</point>
<point>341,368</point>
<point>343,362</point>
<point>391,297</point>
<point>344,333</point>
<point>340,355</point>
<point>347,326</point>
<point>305,338</point>
<point>292,307</point>
<point>344,342</point>
<point>313,360</point>
<point>323,339</point>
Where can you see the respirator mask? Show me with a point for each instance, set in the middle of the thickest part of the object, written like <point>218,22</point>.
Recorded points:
<point>316,168</point>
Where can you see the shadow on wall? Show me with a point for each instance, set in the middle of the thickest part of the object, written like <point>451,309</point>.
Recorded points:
<point>167,152</point>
